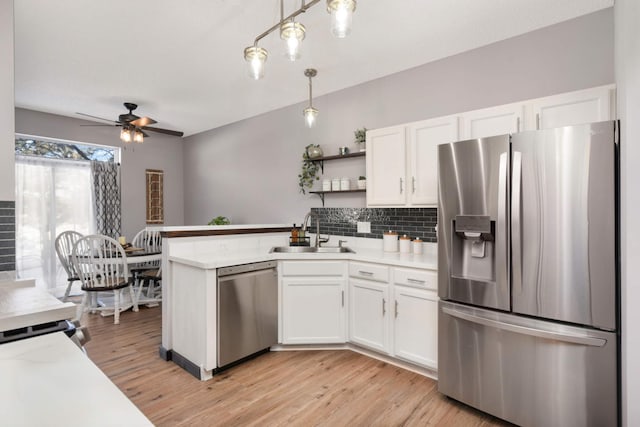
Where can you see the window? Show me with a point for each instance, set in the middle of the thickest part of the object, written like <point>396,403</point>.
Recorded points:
<point>57,149</point>
<point>53,194</point>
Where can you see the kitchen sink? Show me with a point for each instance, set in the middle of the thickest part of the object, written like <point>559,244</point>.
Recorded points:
<point>311,249</point>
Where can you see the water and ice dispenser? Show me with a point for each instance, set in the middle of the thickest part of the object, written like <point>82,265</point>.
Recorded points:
<point>473,248</point>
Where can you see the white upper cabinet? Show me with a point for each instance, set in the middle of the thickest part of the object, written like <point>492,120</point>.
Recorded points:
<point>574,108</point>
<point>493,121</point>
<point>402,168</point>
<point>424,138</point>
<point>386,156</point>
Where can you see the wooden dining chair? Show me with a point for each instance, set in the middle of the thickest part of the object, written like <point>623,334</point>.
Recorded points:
<point>64,246</point>
<point>148,275</point>
<point>101,263</point>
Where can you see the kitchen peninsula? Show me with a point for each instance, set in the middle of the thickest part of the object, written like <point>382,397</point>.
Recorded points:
<point>192,255</point>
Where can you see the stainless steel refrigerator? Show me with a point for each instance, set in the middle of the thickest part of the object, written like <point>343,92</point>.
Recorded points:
<point>528,275</point>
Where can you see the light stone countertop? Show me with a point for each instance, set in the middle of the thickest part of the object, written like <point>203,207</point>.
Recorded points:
<point>207,261</point>
<point>23,305</point>
<point>48,381</point>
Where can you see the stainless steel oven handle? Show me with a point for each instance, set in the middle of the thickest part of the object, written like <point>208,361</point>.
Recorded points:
<point>583,339</point>
<point>502,240</point>
<point>516,221</point>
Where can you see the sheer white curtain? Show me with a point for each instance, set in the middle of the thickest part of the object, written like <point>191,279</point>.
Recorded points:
<point>52,196</point>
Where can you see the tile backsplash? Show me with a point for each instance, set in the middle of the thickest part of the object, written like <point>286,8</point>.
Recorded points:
<point>7,236</point>
<point>414,222</point>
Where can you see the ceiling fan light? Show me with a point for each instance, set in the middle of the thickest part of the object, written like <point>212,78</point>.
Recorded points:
<point>256,57</point>
<point>341,16</point>
<point>310,116</point>
<point>138,136</point>
<point>125,135</point>
<point>292,33</point>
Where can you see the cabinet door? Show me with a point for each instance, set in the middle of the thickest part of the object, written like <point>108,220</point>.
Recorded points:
<point>369,314</point>
<point>415,314</point>
<point>386,170</point>
<point>313,310</point>
<point>492,121</point>
<point>424,138</point>
<point>574,108</point>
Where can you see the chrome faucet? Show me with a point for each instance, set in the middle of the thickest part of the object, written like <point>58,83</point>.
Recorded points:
<point>319,240</point>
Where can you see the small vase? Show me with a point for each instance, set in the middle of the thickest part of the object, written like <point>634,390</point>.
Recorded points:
<point>314,152</point>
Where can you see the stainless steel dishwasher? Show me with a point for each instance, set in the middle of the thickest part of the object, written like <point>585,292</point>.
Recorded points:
<point>247,311</point>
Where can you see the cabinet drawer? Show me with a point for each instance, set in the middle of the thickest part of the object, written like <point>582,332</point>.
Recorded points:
<point>416,278</point>
<point>375,272</point>
<point>312,268</point>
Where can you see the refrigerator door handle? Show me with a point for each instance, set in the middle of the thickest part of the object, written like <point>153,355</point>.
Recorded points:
<point>516,221</point>
<point>502,243</point>
<point>583,339</point>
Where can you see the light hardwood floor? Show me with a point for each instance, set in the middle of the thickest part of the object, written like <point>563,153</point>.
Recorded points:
<point>297,388</point>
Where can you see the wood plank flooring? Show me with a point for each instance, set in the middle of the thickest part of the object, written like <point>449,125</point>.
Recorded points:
<point>292,388</point>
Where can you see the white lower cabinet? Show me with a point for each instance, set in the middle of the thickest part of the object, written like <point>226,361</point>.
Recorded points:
<point>368,314</point>
<point>312,302</point>
<point>415,326</point>
<point>394,311</point>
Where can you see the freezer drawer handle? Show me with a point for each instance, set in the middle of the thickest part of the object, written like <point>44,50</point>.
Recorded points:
<point>420,282</point>
<point>572,338</point>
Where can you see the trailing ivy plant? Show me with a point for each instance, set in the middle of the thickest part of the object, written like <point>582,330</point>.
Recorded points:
<point>360,135</point>
<point>309,172</point>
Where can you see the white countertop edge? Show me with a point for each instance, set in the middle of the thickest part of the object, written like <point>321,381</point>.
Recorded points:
<point>216,227</point>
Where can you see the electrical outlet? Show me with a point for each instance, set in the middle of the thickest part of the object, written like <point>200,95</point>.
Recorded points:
<point>364,227</point>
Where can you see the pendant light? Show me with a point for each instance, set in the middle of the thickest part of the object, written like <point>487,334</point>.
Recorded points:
<point>341,16</point>
<point>256,57</point>
<point>293,33</point>
<point>310,113</point>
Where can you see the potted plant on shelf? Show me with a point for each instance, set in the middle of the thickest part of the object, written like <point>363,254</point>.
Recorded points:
<point>219,220</point>
<point>360,138</point>
<point>310,168</point>
<point>362,182</point>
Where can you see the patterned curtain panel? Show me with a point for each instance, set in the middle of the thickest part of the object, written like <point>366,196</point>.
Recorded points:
<point>106,189</point>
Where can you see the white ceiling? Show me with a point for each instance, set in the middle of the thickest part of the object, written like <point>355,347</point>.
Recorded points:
<point>182,61</point>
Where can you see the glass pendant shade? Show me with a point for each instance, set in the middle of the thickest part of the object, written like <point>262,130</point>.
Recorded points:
<point>256,57</point>
<point>292,33</point>
<point>125,135</point>
<point>310,115</point>
<point>138,137</point>
<point>341,16</point>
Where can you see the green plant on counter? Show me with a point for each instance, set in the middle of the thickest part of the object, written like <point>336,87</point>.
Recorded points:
<point>361,135</point>
<point>362,178</point>
<point>309,172</point>
<point>220,220</point>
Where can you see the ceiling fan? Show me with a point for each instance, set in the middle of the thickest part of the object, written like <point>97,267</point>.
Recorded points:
<point>133,126</point>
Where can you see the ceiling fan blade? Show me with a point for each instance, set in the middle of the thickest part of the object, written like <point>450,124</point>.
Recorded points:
<point>165,131</point>
<point>142,122</point>
<point>144,133</point>
<point>99,118</point>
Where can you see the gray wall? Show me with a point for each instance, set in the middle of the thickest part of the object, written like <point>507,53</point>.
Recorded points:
<point>627,64</point>
<point>248,170</point>
<point>158,152</point>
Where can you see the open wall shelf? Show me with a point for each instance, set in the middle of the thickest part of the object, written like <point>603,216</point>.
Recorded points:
<point>339,156</point>
<point>321,194</point>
